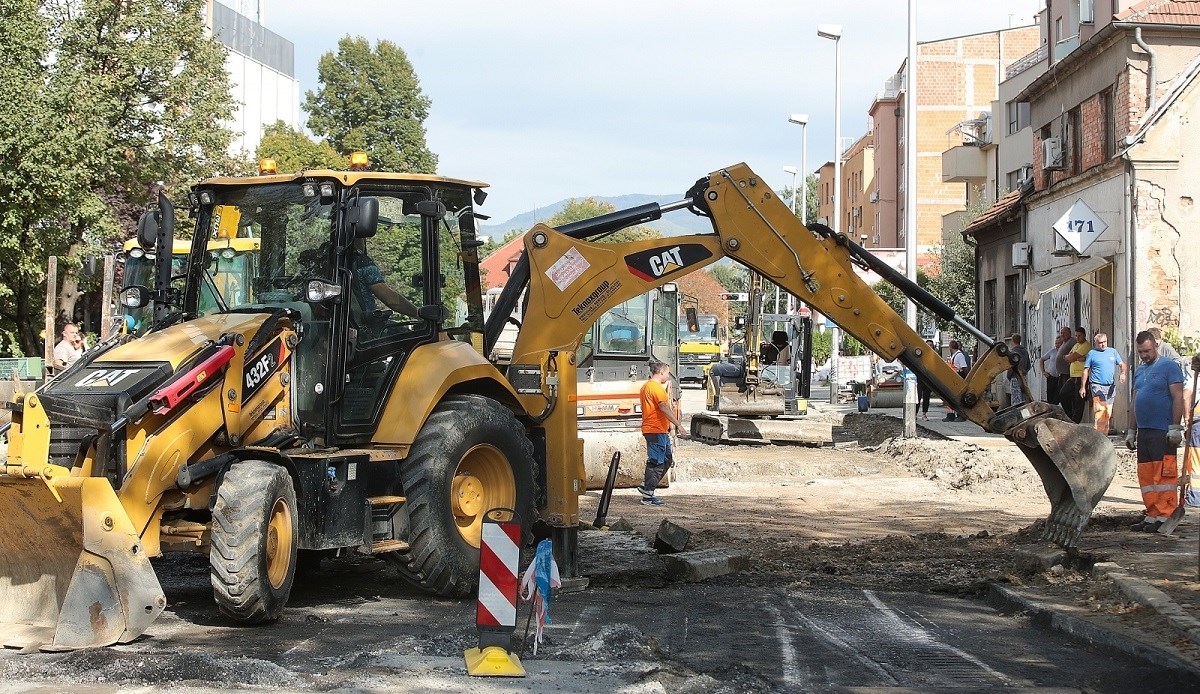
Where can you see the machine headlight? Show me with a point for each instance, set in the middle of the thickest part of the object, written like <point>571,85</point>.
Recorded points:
<point>319,291</point>
<point>206,197</point>
<point>135,296</point>
<point>327,190</point>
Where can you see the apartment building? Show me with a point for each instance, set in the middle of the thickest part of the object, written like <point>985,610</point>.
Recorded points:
<point>958,79</point>
<point>262,72</point>
<point>1108,207</point>
<point>858,192</point>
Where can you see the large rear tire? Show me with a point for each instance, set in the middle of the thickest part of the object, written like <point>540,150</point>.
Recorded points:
<point>252,560</point>
<point>471,456</point>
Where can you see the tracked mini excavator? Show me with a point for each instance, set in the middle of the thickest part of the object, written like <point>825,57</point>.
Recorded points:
<point>343,403</point>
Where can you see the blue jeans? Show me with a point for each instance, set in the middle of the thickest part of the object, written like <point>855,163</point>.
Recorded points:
<point>658,459</point>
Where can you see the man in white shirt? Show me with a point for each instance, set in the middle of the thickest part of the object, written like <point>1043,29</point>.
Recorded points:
<point>69,348</point>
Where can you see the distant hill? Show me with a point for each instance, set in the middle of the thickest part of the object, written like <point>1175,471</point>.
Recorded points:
<point>676,223</point>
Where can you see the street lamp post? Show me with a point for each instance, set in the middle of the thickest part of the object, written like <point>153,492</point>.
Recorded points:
<point>833,32</point>
<point>792,170</point>
<point>801,119</point>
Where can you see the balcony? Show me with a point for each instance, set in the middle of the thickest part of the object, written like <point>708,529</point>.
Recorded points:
<point>1064,47</point>
<point>1038,55</point>
<point>963,164</point>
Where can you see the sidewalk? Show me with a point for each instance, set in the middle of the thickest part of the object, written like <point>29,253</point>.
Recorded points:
<point>1160,574</point>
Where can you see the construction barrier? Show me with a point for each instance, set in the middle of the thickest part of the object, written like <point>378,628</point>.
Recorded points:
<point>496,611</point>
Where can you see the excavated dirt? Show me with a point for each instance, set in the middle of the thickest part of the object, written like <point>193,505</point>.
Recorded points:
<point>880,511</point>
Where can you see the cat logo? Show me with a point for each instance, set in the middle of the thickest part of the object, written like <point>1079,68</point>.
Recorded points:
<point>104,378</point>
<point>657,263</point>
<point>669,261</point>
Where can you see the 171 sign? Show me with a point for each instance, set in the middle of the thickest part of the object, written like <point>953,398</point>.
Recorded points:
<point>1080,226</point>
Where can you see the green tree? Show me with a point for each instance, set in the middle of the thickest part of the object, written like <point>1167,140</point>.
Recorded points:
<point>732,276</point>
<point>578,210</point>
<point>822,346</point>
<point>294,151</point>
<point>99,101</point>
<point>371,99</point>
<point>954,284</point>
<point>811,199</point>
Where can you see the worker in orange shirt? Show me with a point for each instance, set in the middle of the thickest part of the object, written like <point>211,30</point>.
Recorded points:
<point>658,416</point>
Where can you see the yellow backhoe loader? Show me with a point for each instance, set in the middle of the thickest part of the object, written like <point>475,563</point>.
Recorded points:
<point>343,403</point>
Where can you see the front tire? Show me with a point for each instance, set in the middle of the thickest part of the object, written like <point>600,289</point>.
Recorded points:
<point>252,560</point>
<point>471,456</point>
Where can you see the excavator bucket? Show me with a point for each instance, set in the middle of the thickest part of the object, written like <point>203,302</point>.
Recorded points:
<point>73,573</point>
<point>1076,464</point>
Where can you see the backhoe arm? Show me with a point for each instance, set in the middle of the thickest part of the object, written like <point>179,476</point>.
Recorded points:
<point>571,281</point>
<point>758,230</point>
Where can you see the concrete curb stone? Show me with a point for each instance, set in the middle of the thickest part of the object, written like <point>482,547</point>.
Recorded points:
<point>1143,593</point>
<point>1055,619</point>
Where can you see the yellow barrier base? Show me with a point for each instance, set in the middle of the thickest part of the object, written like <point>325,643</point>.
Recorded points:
<point>492,661</point>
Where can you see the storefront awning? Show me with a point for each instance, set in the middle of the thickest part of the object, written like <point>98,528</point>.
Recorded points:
<point>1067,273</point>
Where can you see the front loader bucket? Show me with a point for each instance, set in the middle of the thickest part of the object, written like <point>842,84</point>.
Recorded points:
<point>73,573</point>
<point>1076,464</point>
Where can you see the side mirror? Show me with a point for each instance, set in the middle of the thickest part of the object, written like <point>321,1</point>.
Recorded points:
<point>435,313</point>
<point>148,226</point>
<point>693,321</point>
<point>362,216</point>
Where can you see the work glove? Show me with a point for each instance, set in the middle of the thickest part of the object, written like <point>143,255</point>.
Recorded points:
<point>1131,439</point>
<point>1175,434</point>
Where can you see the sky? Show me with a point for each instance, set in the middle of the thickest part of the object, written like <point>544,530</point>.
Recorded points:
<point>554,99</point>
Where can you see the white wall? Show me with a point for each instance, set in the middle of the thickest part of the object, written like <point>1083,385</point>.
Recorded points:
<point>263,96</point>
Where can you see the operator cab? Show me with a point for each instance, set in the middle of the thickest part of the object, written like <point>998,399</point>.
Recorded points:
<point>367,265</point>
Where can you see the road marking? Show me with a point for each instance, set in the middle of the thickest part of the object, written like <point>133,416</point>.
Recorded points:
<point>909,631</point>
<point>842,646</point>
<point>792,675</point>
<point>585,617</point>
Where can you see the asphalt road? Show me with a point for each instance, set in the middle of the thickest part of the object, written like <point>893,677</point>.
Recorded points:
<point>359,627</point>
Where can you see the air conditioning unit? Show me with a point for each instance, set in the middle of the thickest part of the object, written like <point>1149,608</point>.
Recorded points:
<point>1052,154</point>
<point>1021,255</point>
<point>874,196</point>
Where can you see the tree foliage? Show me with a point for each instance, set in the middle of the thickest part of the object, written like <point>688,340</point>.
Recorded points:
<point>370,99</point>
<point>294,151</point>
<point>702,287</point>
<point>99,101</point>
<point>954,283</point>
<point>732,276</point>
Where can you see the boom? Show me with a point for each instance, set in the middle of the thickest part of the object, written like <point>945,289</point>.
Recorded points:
<point>571,281</point>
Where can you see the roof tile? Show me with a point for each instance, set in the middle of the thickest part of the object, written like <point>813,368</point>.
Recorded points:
<point>1162,12</point>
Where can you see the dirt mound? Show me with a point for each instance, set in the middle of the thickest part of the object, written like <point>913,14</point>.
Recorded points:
<point>964,467</point>
<point>106,665</point>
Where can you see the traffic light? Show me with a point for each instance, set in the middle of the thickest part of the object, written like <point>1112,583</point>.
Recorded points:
<point>734,296</point>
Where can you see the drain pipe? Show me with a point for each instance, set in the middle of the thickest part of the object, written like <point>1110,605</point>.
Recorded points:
<point>1130,276</point>
<point>1150,71</point>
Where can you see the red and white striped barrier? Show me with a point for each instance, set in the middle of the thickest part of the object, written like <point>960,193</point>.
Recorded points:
<point>496,611</point>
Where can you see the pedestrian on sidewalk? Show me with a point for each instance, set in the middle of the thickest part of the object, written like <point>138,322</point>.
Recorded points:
<point>1100,378</point>
<point>1018,372</point>
<point>958,362</point>
<point>924,391</point>
<point>1061,364</point>
<point>1068,395</point>
<point>1156,413</point>
<point>1048,365</point>
<point>658,416</point>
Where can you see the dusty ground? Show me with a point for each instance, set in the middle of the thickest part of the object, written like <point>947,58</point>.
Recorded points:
<point>883,512</point>
<point>871,512</point>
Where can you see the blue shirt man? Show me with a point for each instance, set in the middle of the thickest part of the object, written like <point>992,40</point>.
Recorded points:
<point>1154,405</point>
<point>1100,368</point>
<point>1157,412</point>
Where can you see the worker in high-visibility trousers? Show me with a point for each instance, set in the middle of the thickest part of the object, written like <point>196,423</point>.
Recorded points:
<point>1156,415</point>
